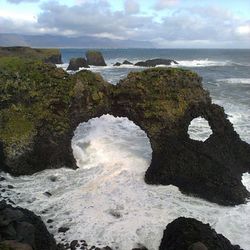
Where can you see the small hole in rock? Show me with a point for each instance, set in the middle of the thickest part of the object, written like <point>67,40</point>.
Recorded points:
<point>199,129</point>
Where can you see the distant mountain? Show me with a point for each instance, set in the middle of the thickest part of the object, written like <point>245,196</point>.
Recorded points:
<point>54,41</point>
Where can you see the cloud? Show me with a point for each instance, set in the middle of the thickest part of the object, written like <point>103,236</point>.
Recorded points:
<point>22,1</point>
<point>182,27</point>
<point>243,30</point>
<point>131,7</point>
<point>163,4</point>
<point>92,18</point>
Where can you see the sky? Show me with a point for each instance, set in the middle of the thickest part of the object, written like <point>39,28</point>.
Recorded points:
<point>165,23</point>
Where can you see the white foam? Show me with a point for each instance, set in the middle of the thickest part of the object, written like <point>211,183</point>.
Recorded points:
<point>106,200</point>
<point>202,63</point>
<point>235,80</point>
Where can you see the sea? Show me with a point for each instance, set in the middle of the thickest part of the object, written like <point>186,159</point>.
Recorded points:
<point>106,201</point>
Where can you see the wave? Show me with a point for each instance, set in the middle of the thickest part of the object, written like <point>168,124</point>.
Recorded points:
<point>235,80</point>
<point>106,200</point>
<point>203,63</point>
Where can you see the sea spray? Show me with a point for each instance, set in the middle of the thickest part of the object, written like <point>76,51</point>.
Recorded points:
<point>107,202</point>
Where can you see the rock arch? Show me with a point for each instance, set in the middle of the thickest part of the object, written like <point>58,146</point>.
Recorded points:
<point>162,102</point>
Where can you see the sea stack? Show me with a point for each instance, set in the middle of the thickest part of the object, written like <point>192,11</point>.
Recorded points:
<point>76,63</point>
<point>95,58</point>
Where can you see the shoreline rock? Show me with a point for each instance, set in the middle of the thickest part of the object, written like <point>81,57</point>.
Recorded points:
<point>155,62</point>
<point>76,63</point>
<point>38,124</point>
<point>22,228</point>
<point>191,234</point>
<point>126,62</point>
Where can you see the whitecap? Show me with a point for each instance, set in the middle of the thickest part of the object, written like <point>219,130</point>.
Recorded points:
<point>106,200</point>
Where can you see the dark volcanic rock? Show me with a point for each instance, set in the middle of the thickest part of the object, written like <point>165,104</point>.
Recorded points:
<point>14,245</point>
<point>18,225</point>
<point>190,234</point>
<point>162,101</point>
<point>95,58</point>
<point>127,62</point>
<point>76,63</point>
<point>63,229</point>
<point>117,64</point>
<point>155,62</point>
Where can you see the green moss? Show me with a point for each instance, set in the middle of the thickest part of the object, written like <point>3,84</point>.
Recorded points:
<point>16,129</point>
<point>29,53</point>
<point>37,97</point>
<point>159,95</point>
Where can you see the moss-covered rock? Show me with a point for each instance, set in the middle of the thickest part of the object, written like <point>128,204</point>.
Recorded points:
<point>95,58</point>
<point>76,63</point>
<point>45,55</point>
<point>35,101</point>
<point>41,105</point>
<point>163,102</point>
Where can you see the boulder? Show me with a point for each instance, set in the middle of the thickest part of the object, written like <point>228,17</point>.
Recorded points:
<point>95,58</point>
<point>21,229</point>
<point>127,62</point>
<point>14,245</point>
<point>117,64</point>
<point>190,234</point>
<point>155,62</point>
<point>76,63</point>
<point>37,125</point>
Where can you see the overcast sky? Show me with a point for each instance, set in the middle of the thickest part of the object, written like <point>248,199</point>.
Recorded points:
<point>166,23</point>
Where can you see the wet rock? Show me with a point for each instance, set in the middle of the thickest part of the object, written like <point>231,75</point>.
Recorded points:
<point>117,64</point>
<point>73,244</point>
<point>140,247</point>
<point>155,62</point>
<point>21,229</point>
<point>2,178</point>
<point>198,246</point>
<point>95,58</point>
<point>14,245</point>
<point>63,229</point>
<point>115,213</point>
<point>53,178</point>
<point>76,63</point>
<point>190,234</point>
<point>48,194</point>
<point>106,248</point>
<point>10,186</point>
<point>127,62</point>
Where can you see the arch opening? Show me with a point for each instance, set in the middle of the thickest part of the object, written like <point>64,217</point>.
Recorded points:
<point>199,129</point>
<point>113,143</point>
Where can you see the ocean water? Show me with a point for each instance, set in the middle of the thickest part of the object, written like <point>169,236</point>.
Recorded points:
<point>106,201</point>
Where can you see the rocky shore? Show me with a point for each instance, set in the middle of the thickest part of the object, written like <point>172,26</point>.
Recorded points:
<point>41,106</point>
